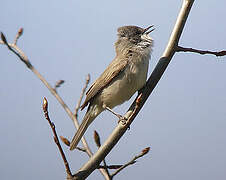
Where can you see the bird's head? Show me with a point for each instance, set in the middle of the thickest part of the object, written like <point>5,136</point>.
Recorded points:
<point>134,37</point>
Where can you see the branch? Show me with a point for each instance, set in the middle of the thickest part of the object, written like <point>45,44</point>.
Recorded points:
<point>19,33</point>
<point>160,68</point>
<point>216,53</point>
<point>132,161</point>
<point>56,139</point>
<point>13,47</point>
<point>118,167</point>
<point>25,60</point>
<point>111,166</point>
<point>18,52</point>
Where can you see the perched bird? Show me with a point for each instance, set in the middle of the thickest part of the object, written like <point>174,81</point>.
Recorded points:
<point>125,75</point>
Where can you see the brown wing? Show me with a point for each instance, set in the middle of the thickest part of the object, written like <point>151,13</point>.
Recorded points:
<point>113,69</point>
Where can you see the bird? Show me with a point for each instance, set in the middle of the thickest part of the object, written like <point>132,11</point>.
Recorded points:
<point>124,76</point>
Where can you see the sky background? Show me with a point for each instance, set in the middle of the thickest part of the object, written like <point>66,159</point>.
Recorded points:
<point>183,121</point>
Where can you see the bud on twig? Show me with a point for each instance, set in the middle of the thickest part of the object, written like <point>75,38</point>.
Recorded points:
<point>145,151</point>
<point>20,32</point>
<point>88,78</point>
<point>3,38</point>
<point>65,141</point>
<point>59,83</point>
<point>96,138</point>
<point>45,104</point>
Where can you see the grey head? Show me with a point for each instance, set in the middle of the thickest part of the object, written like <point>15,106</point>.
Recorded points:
<point>135,36</point>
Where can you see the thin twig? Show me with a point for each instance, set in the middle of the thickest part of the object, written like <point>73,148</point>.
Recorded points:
<point>106,168</point>
<point>81,149</point>
<point>216,53</point>
<point>82,95</point>
<point>56,139</point>
<point>111,166</point>
<point>17,51</point>
<point>96,137</point>
<point>19,33</point>
<point>132,161</point>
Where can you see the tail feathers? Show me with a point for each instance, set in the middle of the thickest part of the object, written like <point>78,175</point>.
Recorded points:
<point>88,119</point>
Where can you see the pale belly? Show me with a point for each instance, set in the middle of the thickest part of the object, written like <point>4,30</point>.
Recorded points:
<point>125,85</point>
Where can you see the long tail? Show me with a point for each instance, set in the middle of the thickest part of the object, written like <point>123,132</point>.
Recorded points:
<point>90,115</point>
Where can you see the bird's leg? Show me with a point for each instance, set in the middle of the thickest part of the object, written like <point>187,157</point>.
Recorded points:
<point>121,118</point>
<point>118,115</point>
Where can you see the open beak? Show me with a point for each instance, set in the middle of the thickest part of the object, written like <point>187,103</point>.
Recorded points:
<point>149,28</point>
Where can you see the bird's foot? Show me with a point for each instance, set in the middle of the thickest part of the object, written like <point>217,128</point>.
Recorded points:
<point>122,119</point>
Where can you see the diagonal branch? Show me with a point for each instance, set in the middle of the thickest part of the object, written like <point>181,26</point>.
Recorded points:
<point>134,109</point>
<point>16,50</point>
<point>132,161</point>
<point>216,53</point>
<point>13,47</point>
<point>56,139</point>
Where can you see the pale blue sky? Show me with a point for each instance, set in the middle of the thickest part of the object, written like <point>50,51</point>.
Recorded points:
<point>184,120</point>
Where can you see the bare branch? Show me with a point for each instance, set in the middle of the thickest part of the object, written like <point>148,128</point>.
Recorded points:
<point>111,166</point>
<point>13,47</point>
<point>81,149</point>
<point>216,53</point>
<point>19,33</point>
<point>132,161</point>
<point>24,59</point>
<point>106,169</point>
<point>56,139</point>
<point>16,50</point>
